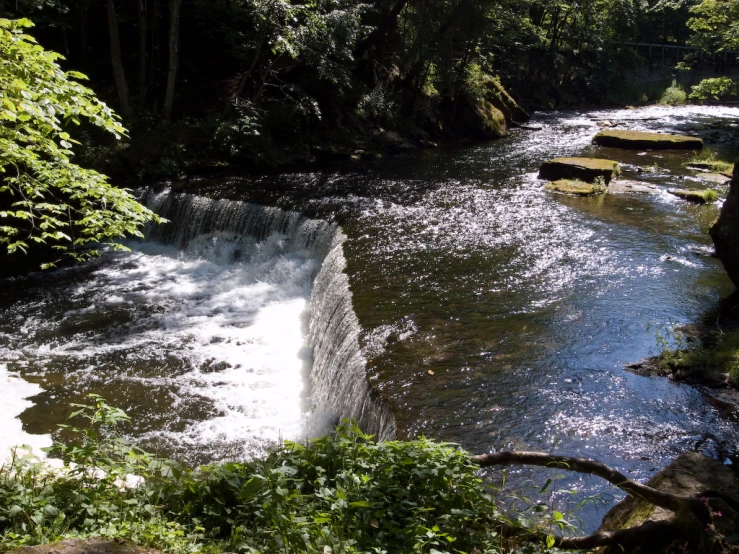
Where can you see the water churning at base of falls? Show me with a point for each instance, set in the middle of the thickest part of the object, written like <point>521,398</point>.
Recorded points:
<point>202,333</point>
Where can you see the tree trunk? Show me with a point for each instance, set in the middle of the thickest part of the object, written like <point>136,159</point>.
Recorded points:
<point>174,56</point>
<point>141,12</point>
<point>84,13</point>
<point>124,98</point>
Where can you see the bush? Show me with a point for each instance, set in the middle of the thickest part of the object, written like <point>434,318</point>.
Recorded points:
<point>716,88</point>
<point>675,95</point>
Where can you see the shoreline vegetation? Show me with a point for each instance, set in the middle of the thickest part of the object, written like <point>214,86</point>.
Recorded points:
<point>339,493</point>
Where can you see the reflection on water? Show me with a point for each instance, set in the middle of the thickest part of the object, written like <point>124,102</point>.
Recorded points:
<point>525,305</point>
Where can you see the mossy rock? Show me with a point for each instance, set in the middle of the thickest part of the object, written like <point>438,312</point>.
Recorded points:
<point>583,169</point>
<point>711,165</point>
<point>642,140</point>
<point>575,187</point>
<point>695,196</point>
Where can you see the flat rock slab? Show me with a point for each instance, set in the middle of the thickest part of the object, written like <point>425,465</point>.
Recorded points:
<point>694,196</point>
<point>641,140</point>
<point>719,178</point>
<point>628,186</point>
<point>90,546</point>
<point>583,169</point>
<point>575,188</point>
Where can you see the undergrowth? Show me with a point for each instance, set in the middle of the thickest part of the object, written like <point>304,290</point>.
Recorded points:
<point>715,358</point>
<point>708,160</point>
<point>343,493</point>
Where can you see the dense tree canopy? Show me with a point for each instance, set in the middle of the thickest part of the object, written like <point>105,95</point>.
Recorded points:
<point>46,198</point>
<point>251,80</point>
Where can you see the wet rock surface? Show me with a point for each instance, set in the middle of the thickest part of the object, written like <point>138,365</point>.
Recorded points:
<point>584,169</point>
<point>647,140</point>
<point>574,187</point>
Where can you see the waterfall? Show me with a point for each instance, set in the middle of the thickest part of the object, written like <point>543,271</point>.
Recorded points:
<point>338,379</point>
<point>338,376</point>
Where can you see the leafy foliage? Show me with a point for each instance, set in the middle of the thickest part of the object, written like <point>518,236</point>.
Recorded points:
<point>674,95</point>
<point>343,493</point>
<point>45,198</point>
<point>715,87</point>
<point>715,25</point>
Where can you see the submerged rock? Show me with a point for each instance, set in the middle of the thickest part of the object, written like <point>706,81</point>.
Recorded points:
<point>691,474</point>
<point>725,230</point>
<point>695,196</point>
<point>575,187</point>
<point>628,186</point>
<point>640,140</point>
<point>584,169</point>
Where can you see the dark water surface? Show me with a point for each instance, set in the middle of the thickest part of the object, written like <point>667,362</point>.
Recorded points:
<point>498,315</point>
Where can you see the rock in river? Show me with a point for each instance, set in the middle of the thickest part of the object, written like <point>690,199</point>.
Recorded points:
<point>695,196</point>
<point>640,140</point>
<point>575,188</point>
<point>725,231</point>
<point>584,169</point>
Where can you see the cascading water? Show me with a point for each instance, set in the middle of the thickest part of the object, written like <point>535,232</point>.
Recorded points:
<point>199,332</point>
<point>334,337</point>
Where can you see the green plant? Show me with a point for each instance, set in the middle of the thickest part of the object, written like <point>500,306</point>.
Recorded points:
<point>343,493</point>
<point>707,158</point>
<point>715,87</point>
<point>674,95</point>
<point>45,198</point>
<point>713,357</point>
<point>377,105</point>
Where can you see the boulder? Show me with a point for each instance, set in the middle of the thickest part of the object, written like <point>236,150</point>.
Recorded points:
<point>725,230</point>
<point>90,546</point>
<point>575,188</point>
<point>482,119</point>
<point>584,169</point>
<point>504,102</point>
<point>695,196</point>
<point>641,140</point>
<point>691,474</point>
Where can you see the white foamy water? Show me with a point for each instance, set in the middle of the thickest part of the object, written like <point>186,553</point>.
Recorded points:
<point>204,347</point>
<point>13,401</point>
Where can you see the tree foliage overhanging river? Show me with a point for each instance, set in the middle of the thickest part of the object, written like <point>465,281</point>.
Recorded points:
<point>494,314</point>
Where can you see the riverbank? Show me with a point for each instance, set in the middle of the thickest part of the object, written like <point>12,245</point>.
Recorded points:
<point>708,358</point>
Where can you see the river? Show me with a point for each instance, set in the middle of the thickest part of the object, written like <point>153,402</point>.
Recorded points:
<point>486,311</point>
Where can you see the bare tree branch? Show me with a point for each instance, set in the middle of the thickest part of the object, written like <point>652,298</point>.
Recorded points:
<point>656,497</point>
